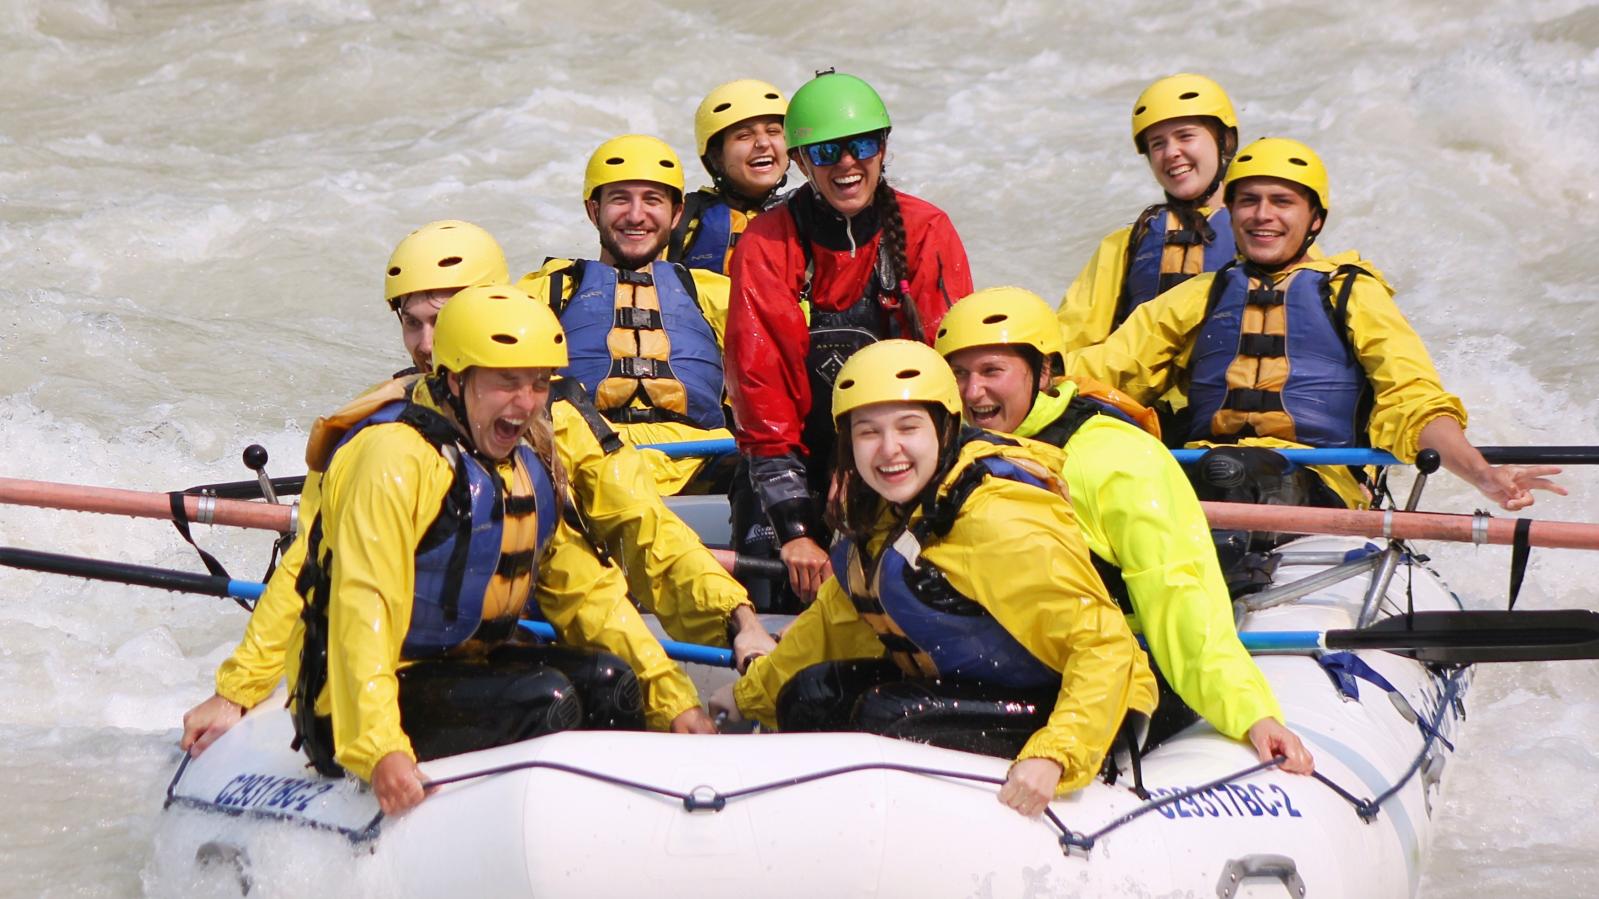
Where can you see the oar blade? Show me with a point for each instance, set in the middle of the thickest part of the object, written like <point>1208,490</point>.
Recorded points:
<point>1459,638</point>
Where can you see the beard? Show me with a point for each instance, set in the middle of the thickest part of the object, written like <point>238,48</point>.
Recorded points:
<point>631,260</point>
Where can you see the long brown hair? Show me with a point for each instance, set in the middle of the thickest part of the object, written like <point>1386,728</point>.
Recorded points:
<point>853,507</point>
<point>893,263</point>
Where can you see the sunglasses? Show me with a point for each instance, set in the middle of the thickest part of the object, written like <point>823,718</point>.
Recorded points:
<point>862,147</point>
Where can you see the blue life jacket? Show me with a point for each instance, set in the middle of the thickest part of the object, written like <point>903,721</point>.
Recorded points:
<point>1305,383</point>
<point>1147,274</point>
<point>929,628</point>
<point>715,235</point>
<point>675,373</point>
<point>462,551</point>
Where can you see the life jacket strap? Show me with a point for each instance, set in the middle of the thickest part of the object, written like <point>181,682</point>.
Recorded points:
<point>1261,345</point>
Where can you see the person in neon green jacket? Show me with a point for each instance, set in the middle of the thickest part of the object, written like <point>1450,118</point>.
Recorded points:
<point>1136,508</point>
<point>1280,349</point>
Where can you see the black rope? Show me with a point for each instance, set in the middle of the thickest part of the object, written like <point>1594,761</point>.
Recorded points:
<point>1087,841</point>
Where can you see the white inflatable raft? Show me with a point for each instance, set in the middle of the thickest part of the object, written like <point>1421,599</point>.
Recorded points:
<point>605,814</point>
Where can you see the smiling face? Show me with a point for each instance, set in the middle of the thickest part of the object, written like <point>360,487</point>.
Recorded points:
<point>1271,218</point>
<point>499,404</point>
<point>419,312</point>
<point>847,185</point>
<point>895,446</point>
<point>997,386</point>
<point>752,155</point>
<point>1183,155</point>
<point>635,220</point>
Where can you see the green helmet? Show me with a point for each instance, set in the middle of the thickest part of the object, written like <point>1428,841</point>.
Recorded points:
<point>833,105</point>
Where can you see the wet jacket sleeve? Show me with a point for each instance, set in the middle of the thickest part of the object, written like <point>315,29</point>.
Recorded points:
<point>830,629</point>
<point>252,672</point>
<point>1407,391</point>
<point>586,600</point>
<point>668,569</point>
<point>1139,512</point>
<point>940,272</point>
<point>1059,611</point>
<point>370,534</point>
<point>1144,356</point>
<point>767,339</point>
<point>1089,307</point>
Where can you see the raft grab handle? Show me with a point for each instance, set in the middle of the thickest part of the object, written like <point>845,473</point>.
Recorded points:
<point>1280,867</point>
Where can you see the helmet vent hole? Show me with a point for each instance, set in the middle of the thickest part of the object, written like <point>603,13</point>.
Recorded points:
<point>722,107</point>
<point>1246,157</point>
<point>394,270</point>
<point>942,331</point>
<point>846,384</point>
<point>1297,161</point>
<point>1140,110</point>
<point>668,164</point>
<point>449,261</point>
<point>907,373</point>
<point>615,160</point>
<point>996,318</point>
<point>506,339</point>
<point>560,338</point>
<point>772,96</point>
<point>1188,95</point>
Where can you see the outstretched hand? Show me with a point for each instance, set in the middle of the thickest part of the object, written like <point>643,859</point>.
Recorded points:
<point>204,723</point>
<point>1031,785</point>
<point>1271,739</point>
<point>1511,486</point>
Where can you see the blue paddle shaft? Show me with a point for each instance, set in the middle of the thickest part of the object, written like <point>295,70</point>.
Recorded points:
<point>694,448</point>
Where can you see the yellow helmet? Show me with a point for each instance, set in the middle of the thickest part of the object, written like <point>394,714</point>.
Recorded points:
<point>892,371</point>
<point>1178,96</point>
<point>1001,316</point>
<point>632,157</point>
<point>732,103</point>
<point>497,326</point>
<point>1279,157</point>
<point>445,254</point>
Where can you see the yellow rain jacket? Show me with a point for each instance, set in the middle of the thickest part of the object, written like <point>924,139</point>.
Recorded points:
<point>371,534</point>
<point>1017,551</point>
<point>1138,512</point>
<point>667,568</point>
<point>672,476</point>
<point>1148,355</point>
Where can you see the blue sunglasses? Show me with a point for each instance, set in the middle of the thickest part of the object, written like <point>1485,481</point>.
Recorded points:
<point>861,146</point>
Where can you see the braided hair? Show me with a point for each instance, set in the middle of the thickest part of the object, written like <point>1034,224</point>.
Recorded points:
<point>893,268</point>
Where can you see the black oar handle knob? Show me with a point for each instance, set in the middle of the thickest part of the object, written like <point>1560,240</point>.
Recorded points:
<point>255,457</point>
<point>1427,461</point>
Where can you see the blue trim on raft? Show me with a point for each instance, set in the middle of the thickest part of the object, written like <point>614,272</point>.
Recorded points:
<point>682,652</point>
<point>692,448</point>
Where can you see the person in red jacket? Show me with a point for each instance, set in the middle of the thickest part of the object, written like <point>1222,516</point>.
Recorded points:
<point>845,261</point>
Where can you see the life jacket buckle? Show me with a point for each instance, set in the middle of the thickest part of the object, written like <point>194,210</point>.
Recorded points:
<point>638,279</point>
<point>637,367</point>
<point>636,319</point>
<point>1265,296</point>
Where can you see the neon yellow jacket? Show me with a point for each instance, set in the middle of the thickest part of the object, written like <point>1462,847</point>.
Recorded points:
<point>1149,354</point>
<point>668,569</point>
<point>1138,512</point>
<point>671,475</point>
<point>370,530</point>
<point>1017,551</point>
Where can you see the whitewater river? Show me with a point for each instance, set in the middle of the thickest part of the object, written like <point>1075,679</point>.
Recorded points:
<point>197,200</point>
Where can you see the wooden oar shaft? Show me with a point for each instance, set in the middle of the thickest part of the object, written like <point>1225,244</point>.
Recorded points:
<point>143,504</point>
<point>1404,525</point>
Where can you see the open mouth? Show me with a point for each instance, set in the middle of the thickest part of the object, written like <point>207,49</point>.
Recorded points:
<point>762,164</point>
<point>895,472</point>
<point>982,415</point>
<point>509,430</point>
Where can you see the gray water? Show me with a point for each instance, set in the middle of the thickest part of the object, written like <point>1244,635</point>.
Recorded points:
<point>197,200</point>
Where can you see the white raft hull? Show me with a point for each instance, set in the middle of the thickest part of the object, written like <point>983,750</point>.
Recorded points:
<point>548,832</point>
